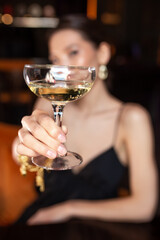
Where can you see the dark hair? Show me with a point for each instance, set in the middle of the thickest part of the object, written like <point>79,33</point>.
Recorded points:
<point>92,30</point>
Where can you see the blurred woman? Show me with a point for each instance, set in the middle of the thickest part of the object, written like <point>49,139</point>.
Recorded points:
<point>112,136</point>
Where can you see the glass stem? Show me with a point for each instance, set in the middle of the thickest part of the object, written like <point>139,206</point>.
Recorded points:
<point>58,113</point>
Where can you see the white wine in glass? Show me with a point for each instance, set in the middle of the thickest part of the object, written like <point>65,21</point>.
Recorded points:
<point>60,85</point>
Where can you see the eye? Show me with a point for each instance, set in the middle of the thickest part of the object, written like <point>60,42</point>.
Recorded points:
<point>54,61</point>
<point>73,52</point>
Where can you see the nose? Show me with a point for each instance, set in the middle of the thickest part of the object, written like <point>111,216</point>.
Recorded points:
<point>64,61</point>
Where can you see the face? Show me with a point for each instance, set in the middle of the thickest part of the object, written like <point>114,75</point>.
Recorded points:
<point>68,47</point>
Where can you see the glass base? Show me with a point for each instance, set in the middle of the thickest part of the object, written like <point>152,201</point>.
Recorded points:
<point>69,161</point>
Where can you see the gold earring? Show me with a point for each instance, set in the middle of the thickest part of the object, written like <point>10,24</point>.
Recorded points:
<point>103,72</point>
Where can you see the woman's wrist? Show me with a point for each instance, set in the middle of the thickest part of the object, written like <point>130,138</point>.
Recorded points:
<point>77,208</point>
<point>72,207</point>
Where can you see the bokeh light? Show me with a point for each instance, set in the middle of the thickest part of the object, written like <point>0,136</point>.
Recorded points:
<point>49,11</point>
<point>7,19</point>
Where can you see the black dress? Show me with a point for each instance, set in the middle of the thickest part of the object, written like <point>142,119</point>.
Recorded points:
<point>100,179</point>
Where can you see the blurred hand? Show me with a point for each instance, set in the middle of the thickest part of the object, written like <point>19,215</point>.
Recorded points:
<point>58,213</point>
<point>40,135</point>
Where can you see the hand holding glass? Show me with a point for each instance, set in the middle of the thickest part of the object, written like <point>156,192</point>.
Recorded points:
<point>60,85</point>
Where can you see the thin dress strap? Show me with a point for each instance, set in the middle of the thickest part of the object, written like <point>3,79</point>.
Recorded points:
<point>117,123</point>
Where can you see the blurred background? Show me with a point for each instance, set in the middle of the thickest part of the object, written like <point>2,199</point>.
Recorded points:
<point>133,25</point>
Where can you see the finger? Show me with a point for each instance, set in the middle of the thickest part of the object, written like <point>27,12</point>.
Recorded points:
<point>35,145</point>
<point>40,133</point>
<point>38,218</point>
<point>33,221</point>
<point>23,150</point>
<point>49,125</point>
<point>65,129</point>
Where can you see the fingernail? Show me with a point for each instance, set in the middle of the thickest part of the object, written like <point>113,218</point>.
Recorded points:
<point>51,154</point>
<point>62,150</point>
<point>61,138</point>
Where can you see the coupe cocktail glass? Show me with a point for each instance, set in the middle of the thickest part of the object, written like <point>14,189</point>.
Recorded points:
<point>60,85</point>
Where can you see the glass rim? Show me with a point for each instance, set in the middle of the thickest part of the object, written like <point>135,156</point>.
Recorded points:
<point>45,66</point>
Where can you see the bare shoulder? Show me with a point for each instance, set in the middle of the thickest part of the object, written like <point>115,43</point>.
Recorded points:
<point>134,114</point>
<point>136,126</point>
